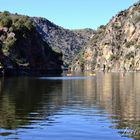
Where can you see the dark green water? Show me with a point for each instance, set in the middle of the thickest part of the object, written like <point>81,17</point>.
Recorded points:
<point>104,107</point>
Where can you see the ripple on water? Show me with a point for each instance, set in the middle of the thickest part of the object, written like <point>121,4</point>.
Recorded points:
<point>70,108</point>
<point>67,78</point>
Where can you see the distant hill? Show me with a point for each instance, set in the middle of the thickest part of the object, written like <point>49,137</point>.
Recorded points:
<point>115,46</point>
<point>69,42</point>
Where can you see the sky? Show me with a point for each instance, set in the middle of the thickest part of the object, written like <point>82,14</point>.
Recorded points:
<point>70,14</point>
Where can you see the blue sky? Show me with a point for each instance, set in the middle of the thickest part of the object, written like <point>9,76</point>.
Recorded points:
<point>72,14</point>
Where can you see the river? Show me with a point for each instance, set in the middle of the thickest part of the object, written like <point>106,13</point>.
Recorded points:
<point>105,106</point>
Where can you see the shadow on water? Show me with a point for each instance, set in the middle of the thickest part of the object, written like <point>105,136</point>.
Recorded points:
<point>21,97</point>
<point>26,101</point>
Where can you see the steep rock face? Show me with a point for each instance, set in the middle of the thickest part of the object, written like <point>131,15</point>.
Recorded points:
<point>115,46</point>
<point>69,42</point>
<point>22,50</point>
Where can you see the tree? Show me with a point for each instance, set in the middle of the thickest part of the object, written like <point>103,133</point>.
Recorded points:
<point>6,13</point>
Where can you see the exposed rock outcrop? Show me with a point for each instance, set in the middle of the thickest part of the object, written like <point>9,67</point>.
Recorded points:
<point>115,46</point>
<point>69,42</point>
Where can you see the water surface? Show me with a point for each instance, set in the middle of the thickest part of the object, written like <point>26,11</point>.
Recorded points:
<point>103,107</point>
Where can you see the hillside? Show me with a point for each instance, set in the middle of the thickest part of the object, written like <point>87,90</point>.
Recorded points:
<point>115,46</point>
<point>37,45</point>
<point>69,42</point>
<point>22,50</point>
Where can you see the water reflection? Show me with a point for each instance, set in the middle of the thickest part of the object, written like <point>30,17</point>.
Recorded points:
<point>105,103</point>
<point>21,97</point>
<point>115,93</point>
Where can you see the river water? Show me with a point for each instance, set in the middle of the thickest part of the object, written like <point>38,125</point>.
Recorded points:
<point>79,107</point>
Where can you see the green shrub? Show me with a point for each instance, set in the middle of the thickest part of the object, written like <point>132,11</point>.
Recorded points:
<point>6,21</point>
<point>102,27</point>
<point>130,43</point>
<point>23,22</point>
<point>137,46</point>
<point>130,55</point>
<point>112,57</point>
<point>15,20</point>
<point>11,29</point>
<point>137,19</point>
<point>93,64</point>
<point>10,42</point>
<point>29,24</point>
<point>116,26</point>
<point>57,50</point>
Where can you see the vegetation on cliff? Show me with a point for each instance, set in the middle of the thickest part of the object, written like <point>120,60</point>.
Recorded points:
<point>22,50</point>
<point>25,41</point>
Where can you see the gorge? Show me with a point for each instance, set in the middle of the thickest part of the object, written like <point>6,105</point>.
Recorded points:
<point>35,45</point>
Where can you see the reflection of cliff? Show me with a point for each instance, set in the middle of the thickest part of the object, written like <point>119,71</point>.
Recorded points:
<point>129,101</point>
<point>108,91</point>
<point>22,96</point>
<point>79,92</point>
<point>25,99</point>
<point>117,94</point>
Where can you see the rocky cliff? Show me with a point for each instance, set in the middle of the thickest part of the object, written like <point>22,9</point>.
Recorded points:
<point>36,45</point>
<point>115,46</point>
<point>22,50</point>
<point>69,42</point>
